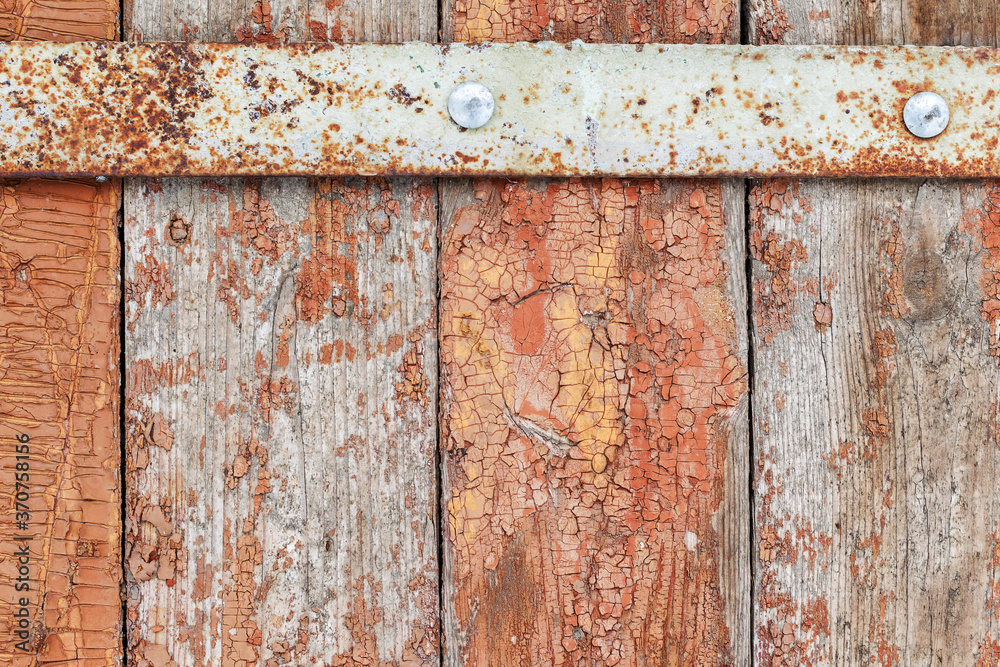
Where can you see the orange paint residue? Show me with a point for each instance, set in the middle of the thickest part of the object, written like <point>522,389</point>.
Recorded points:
<point>588,355</point>
<point>771,21</point>
<point>327,281</point>
<point>891,252</point>
<point>630,21</point>
<point>59,379</point>
<point>776,287</point>
<point>983,225</point>
<point>989,653</point>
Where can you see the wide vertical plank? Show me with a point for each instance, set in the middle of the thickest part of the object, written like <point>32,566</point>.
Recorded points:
<point>281,394</point>
<point>60,561</point>
<point>875,391</point>
<point>594,370</point>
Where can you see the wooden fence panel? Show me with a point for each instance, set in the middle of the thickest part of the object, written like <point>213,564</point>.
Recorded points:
<point>875,360</point>
<point>593,373</point>
<point>281,394</point>
<point>59,394</point>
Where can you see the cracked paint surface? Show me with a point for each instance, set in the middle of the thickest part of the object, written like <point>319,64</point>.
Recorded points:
<point>638,21</point>
<point>589,369</point>
<point>59,379</point>
<point>273,404</point>
<point>59,349</point>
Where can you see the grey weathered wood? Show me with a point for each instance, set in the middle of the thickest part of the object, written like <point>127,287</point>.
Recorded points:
<point>875,391</point>
<point>921,22</point>
<point>875,439</point>
<point>348,21</point>
<point>281,395</point>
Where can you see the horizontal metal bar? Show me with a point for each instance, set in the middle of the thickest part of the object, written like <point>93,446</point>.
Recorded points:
<point>573,109</point>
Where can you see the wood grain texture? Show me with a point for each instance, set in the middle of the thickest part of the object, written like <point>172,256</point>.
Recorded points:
<point>875,416</point>
<point>593,366</point>
<point>59,386</point>
<point>281,398</point>
<point>267,22</point>
<point>59,379</point>
<point>873,22</point>
<point>874,401</point>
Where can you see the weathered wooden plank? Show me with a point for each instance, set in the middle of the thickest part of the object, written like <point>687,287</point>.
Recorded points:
<point>593,366</point>
<point>59,381</point>
<point>875,392</point>
<point>938,23</point>
<point>281,396</point>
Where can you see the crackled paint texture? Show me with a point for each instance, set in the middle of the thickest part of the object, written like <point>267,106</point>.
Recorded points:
<point>59,349</point>
<point>590,371</point>
<point>280,337</point>
<point>591,367</point>
<point>875,422</point>
<point>638,21</point>
<point>58,21</point>
<point>59,379</point>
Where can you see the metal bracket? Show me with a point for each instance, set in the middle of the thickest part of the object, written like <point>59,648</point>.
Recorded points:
<point>560,110</point>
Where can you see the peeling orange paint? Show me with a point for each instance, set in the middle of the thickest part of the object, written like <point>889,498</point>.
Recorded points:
<point>632,21</point>
<point>59,375</point>
<point>586,433</point>
<point>774,293</point>
<point>891,252</point>
<point>983,225</point>
<point>770,21</point>
<point>315,260</point>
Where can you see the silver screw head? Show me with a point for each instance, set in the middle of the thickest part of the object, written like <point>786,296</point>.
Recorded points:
<point>471,105</point>
<point>926,114</point>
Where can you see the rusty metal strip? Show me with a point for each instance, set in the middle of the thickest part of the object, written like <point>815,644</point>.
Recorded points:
<point>577,109</point>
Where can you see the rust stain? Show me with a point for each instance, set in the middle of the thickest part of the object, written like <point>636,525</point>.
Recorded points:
<point>586,431</point>
<point>254,108</point>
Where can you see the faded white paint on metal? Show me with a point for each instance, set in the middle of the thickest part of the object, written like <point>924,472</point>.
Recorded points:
<point>561,110</point>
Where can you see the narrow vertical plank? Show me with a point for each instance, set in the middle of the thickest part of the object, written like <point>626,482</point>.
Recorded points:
<point>593,374</point>
<point>60,561</point>
<point>875,391</point>
<point>281,394</point>
<point>59,380</point>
